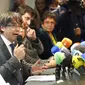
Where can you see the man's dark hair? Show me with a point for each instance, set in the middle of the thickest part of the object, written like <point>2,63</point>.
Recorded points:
<point>26,9</point>
<point>10,19</point>
<point>50,15</point>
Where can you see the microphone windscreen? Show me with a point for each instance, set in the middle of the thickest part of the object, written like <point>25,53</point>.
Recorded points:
<point>80,48</point>
<point>82,43</point>
<point>66,52</point>
<point>19,40</point>
<point>67,42</point>
<point>55,49</point>
<point>84,64</point>
<point>59,57</point>
<point>74,45</point>
<point>77,61</point>
<point>76,52</point>
<point>59,44</point>
<point>83,56</point>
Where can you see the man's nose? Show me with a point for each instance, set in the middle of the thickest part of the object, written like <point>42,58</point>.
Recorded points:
<point>18,29</point>
<point>50,24</point>
<point>21,30</point>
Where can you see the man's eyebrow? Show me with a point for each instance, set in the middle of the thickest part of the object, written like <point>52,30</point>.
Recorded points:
<point>29,18</point>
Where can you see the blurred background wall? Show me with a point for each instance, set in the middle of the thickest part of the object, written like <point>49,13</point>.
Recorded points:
<point>30,3</point>
<point>6,5</point>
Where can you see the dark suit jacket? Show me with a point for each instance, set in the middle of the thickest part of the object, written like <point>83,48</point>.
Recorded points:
<point>10,65</point>
<point>47,43</point>
<point>33,49</point>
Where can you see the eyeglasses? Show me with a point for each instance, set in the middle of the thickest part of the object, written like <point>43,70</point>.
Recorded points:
<point>14,25</point>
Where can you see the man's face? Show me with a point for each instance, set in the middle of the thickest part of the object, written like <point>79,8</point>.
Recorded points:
<point>40,4</point>
<point>26,18</point>
<point>11,32</point>
<point>20,1</point>
<point>83,1</point>
<point>49,24</point>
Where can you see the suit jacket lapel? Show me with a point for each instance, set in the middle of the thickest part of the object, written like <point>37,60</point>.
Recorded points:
<point>4,49</point>
<point>7,54</point>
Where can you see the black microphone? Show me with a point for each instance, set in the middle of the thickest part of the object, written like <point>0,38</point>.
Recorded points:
<point>19,40</point>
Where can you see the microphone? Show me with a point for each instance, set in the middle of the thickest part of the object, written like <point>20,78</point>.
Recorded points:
<point>67,42</point>
<point>77,61</point>
<point>55,49</point>
<point>80,48</point>
<point>74,45</point>
<point>59,44</point>
<point>76,52</point>
<point>66,52</point>
<point>68,56</point>
<point>59,57</point>
<point>19,40</point>
<point>82,43</point>
<point>83,56</point>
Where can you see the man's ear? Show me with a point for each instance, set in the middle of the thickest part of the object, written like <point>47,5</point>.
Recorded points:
<point>2,28</point>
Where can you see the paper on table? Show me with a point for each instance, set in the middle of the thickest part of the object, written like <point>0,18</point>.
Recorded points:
<point>41,78</point>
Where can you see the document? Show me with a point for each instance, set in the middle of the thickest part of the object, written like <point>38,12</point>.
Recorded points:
<point>41,78</point>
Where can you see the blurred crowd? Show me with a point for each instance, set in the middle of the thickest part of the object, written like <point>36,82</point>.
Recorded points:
<point>49,35</point>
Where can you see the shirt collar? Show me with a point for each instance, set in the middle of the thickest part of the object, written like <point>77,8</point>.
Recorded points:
<point>6,41</point>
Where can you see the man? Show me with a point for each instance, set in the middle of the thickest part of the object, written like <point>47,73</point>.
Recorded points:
<point>40,8</point>
<point>33,45</point>
<point>80,30</point>
<point>10,62</point>
<point>11,67</point>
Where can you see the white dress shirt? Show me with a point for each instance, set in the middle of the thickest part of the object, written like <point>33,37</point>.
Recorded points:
<point>7,42</point>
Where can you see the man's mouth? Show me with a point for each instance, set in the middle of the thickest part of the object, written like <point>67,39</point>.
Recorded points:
<point>15,34</point>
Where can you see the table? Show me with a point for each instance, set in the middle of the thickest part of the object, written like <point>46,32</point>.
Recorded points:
<point>40,83</point>
<point>47,72</point>
<point>52,71</point>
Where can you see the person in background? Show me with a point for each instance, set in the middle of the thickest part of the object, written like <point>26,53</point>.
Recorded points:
<point>54,6</point>
<point>17,3</point>
<point>80,30</point>
<point>33,45</point>
<point>64,22</point>
<point>40,8</point>
<point>47,34</point>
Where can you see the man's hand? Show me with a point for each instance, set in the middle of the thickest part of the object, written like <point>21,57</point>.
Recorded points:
<point>19,52</point>
<point>51,63</point>
<point>77,31</point>
<point>31,33</point>
<point>37,62</point>
<point>38,69</point>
